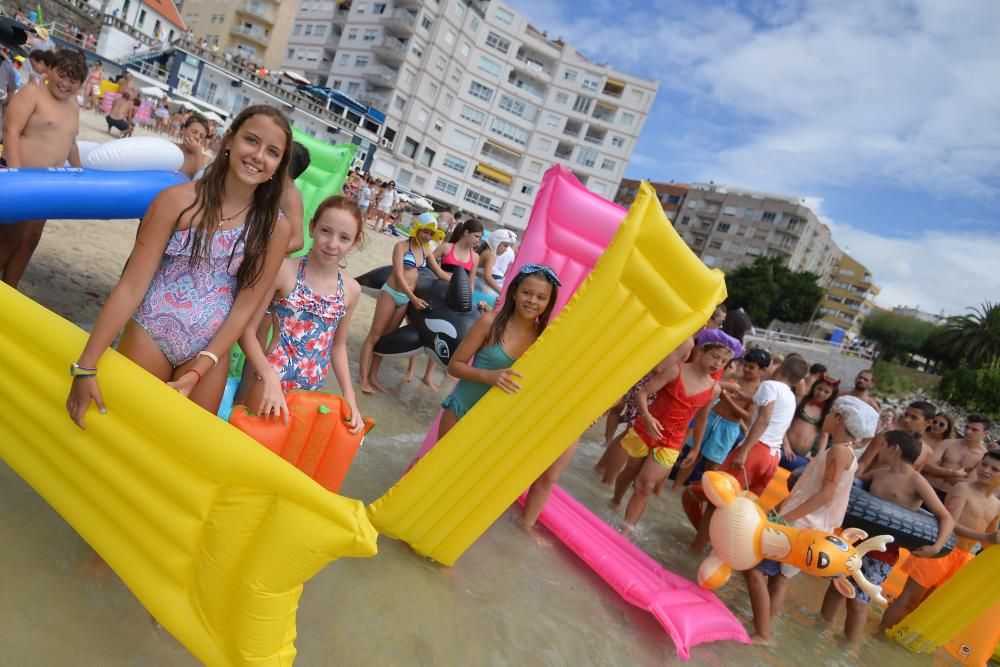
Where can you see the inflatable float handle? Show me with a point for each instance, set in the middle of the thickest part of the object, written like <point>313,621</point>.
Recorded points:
<point>345,415</point>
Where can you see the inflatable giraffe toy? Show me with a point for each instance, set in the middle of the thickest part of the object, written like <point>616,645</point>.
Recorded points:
<point>742,536</point>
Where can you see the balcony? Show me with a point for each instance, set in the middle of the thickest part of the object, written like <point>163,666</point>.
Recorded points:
<point>500,157</point>
<point>400,22</point>
<point>391,51</point>
<point>564,150</point>
<point>253,34</point>
<point>533,68</point>
<point>604,113</point>
<point>517,80</point>
<point>613,88</point>
<point>257,10</point>
<point>381,76</point>
<point>573,128</point>
<point>409,4</point>
<point>595,136</point>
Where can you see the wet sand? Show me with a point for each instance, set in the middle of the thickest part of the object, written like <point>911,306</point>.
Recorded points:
<point>513,598</point>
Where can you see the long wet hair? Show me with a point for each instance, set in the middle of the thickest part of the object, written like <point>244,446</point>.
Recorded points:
<point>471,225</point>
<point>507,310</point>
<point>263,212</point>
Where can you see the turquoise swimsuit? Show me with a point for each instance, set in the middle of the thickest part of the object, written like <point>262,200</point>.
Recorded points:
<point>467,394</point>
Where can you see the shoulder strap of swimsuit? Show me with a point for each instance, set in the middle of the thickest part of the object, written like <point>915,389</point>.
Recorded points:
<point>302,269</point>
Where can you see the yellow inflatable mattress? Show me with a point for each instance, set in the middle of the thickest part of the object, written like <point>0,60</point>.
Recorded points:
<point>213,533</point>
<point>647,293</point>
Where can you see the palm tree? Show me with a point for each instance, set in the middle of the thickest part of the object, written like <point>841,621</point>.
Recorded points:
<point>971,340</point>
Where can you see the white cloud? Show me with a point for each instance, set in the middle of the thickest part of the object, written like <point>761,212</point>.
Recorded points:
<point>936,271</point>
<point>824,93</point>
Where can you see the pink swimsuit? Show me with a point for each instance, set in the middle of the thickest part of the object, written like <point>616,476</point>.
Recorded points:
<point>449,261</point>
<point>186,305</point>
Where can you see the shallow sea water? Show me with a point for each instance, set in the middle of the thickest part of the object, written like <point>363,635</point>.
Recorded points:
<point>515,598</point>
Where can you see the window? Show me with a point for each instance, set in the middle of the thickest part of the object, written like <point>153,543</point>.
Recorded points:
<point>504,16</point>
<point>628,119</point>
<point>552,120</point>
<point>517,107</point>
<point>454,163</point>
<point>448,99</point>
<point>591,83</point>
<point>441,63</point>
<point>686,219</point>
<point>427,157</point>
<point>617,142</point>
<point>297,30</point>
<point>544,144</point>
<point>308,30</point>
<point>290,54</point>
<point>730,210</point>
<point>482,200</point>
<point>459,10</point>
<point>409,147</point>
<point>446,186</point>
<point>418,51</point>
<point>518,211</point>
<point>608,165</point>
<point>535,167</point>
<point>769,216</point>
<point>673,199</point>
<point>319,31</point>
<point>361,61</point>
<point>370,35</point>
<point>345,58</point>
<point>491,67</point>
<point>456,75</point>
<point>464,49</point>
<point>408,75</point>
<point>474,24</point>
<point>379,8</point>
<point>361,8</point>
<point>562,98</point>
<point>510,132</point>
<point>432,90</point>
<point>449,37</point>
<point>569,75</point>
<point>527,189</point>
<point>586,157</point>
<point>425,23</point>
<point>438,125</point>
<point>715,245</point>
<point>472,115</point>
<point>400,102</point>
<point>462,140</point>
<point>422,115</point>
<point>353,87</point>
<point>477,89</point>
<point>352,33</point>
<point>495,41</point>
<point>582,104</point>
<point>723,227</point>
<point>337,83</point>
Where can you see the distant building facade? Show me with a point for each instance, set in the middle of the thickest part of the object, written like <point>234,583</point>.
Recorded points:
<point>671,195</point>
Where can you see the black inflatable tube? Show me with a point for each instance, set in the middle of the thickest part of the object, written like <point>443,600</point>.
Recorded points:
<point>910,530</point>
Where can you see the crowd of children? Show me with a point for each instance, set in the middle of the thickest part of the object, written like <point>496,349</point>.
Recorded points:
<point>209,266</point>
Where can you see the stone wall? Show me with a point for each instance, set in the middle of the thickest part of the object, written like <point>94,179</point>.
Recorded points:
<point>838,365</point>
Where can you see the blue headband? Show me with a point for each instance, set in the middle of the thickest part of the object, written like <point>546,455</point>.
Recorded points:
<point>549,274</point>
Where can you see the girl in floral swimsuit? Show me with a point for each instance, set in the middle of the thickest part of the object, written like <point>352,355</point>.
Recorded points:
<point>312,304</point>
<point>204,255</point>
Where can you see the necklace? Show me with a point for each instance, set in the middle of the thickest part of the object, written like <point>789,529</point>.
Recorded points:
<point>224,219</point>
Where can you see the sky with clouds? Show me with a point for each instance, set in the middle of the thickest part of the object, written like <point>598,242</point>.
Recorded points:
<point>885,115</point>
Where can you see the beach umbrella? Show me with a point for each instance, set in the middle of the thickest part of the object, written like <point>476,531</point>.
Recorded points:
<point>296,77</point>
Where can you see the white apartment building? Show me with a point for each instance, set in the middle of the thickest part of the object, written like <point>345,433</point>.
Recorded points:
<point>728,227</point>
<point>478,103</point>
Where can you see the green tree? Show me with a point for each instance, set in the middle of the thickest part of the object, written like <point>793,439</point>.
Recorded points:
<point>769,290</point>
<point>898,336</point>
<point>972,340</point>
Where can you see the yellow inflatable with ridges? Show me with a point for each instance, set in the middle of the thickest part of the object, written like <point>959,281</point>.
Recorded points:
<point>213,533</point>
<point>980,640</point>
<point>647,293</point>
<point>955,605</point>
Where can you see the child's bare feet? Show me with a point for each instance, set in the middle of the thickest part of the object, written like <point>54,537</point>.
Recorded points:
<point>379,386</point>
<point>430,383</point>
<point>366,388</point>
<point>409,376</point>
<point>760,640</point>
<point>616,505</point>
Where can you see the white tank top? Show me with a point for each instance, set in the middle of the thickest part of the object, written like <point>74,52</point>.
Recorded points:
<point>832,515</point>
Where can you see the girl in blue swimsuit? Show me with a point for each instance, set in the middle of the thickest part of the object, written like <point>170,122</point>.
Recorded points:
<point>408,257</point>
<point>497,340</point>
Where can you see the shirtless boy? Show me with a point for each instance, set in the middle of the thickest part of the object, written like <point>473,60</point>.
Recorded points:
<point>955,459</point>
<point>896,480</point>
<point>40,128</point>
<point>976,509</point>
<point>193,136</point>
<point>914,420</point>
<point>119,116</point>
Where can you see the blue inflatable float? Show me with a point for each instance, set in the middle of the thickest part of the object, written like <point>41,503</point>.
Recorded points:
<point>80,194</point>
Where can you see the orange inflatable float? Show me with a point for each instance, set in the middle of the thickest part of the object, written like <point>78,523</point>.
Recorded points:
<point>316,439</point>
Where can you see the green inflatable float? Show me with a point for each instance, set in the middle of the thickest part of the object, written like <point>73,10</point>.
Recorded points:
<point>325,177</point>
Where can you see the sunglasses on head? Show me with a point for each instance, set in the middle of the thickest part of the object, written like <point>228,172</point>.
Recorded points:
<point>549,274</point>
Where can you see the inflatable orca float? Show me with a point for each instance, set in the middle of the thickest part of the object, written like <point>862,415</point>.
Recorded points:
<point>440,328</point>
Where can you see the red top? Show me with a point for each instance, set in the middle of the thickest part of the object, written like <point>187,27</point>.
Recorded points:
<point>673,408</point>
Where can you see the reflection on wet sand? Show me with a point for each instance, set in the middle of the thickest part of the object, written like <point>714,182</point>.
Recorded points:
<point>514,598</point>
